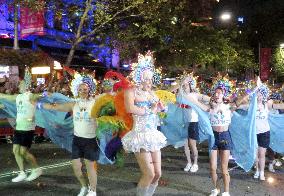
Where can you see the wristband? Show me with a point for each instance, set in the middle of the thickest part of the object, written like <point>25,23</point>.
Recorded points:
<point>148,111</point>
<point>39,105</point>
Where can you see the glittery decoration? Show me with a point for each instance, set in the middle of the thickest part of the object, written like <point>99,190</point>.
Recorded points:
<point>80,79</point>
<point>27,78</point>
<point>224,83</point>
<point>264,91</point>
<point>145,63</point>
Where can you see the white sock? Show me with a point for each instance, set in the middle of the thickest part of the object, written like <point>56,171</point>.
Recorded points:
<point>151,189</point>
<point>141,191</point>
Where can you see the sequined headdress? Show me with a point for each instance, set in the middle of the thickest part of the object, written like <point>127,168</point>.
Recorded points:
<point>83,79</point>
<point>26,83</point>
<point>145,64</point>
<point>223,83</point>
<point>264,91</point>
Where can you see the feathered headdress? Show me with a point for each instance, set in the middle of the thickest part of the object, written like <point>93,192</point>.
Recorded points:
<point>26,83</point>
<point>83,79</point>
<point>145,63</point>
<point>223,83</point>
<point>264,91</point>
<point>120,81</point>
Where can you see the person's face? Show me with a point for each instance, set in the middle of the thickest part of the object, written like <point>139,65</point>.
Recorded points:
<point>219,95</point>
<point>147,80</point>
<point>83,91</point>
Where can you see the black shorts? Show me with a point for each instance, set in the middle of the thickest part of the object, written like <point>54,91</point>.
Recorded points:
<point>23,138</point>
<point>223,141</point>
<point>85,148</point>
<point>193,131</point>
<point>263,139</point>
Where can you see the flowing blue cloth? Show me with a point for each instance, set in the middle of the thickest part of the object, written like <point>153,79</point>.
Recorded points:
<point>276,122</point>
<point>243,134</point>
<point>175,125</point>
<point>58,126</point>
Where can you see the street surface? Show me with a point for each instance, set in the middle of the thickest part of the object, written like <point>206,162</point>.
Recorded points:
<point>58,178</point>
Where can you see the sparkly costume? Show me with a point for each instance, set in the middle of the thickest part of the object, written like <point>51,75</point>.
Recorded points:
<point>144,134</point>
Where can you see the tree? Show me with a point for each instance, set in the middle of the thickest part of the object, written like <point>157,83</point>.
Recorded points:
<point>278,63</point>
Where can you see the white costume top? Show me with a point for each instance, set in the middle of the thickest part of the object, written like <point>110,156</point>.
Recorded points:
<point>84,124</point>
<point>25,120</point>
<point>144,134</point>
<point>262,124</point>
<point>221,115</point>
<point>193,116</point>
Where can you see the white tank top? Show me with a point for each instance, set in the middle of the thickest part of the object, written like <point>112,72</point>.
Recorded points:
<point>262,124</point>
<point>84,124</point>
<point>192,115</point>
<point>220,116</point>
<point>25,120</point>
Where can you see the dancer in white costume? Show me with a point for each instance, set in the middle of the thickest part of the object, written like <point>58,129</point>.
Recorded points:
<point>188,87</point>
<point>264,106</point>
<point>144,139</point>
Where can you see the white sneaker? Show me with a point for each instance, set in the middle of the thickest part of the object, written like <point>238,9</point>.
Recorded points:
<point>271,168</point>
<point>34,174</point>
<point>262,177</point>
<point>226,194</point>
<point>215,192</point>
<point>83,191</point>
<point>256,175</point>
<point>194,168</point>
<point>21,177</point>
<point>278,163</point>
<point>91,193</point>
<point>187,167</point>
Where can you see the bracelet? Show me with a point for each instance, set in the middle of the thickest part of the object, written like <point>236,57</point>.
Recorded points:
<point>39,105</point>
<point>148,111</point>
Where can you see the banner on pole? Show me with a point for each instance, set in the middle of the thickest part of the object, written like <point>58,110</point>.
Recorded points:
<point>265,55</point>
<point>31,22</point>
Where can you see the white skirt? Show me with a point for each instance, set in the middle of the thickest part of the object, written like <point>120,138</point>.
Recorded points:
<point>150,140</point>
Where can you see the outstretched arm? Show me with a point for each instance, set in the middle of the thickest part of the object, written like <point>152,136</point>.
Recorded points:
<point>275,106</point>
<point>8,97</point>
<point>63,107</point>
<point>202,106</point>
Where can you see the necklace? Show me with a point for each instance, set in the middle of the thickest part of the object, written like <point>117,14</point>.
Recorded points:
<point>83,103</point>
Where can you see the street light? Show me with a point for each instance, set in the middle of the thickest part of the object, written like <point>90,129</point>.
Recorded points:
<point>282,45</point>
<point>225,16</point>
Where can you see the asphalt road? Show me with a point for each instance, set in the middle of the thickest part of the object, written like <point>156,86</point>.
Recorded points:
<point>58,178</point>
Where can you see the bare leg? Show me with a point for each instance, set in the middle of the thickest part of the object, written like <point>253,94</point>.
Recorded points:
<point>261,163</point>
<point>213,168</point>
<point>92,173</point>
<point>77,168</point>
<point>187,152</point>
<point>28,157</point>
<point>193,148</point>
<point>156,158</point>
<point>224,155</point>
<point>18,156</point>
<point>144,160</point>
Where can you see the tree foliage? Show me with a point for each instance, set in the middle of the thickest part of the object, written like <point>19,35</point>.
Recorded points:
<point>278,62</point>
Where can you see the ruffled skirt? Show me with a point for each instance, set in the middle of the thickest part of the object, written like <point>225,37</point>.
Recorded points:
<point>150,140</point>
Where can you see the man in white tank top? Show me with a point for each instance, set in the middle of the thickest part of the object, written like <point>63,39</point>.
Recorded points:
<point>85,143</point>
<point>23,136</point>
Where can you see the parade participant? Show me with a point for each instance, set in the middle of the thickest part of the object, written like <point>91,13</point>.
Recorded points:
<point>85,143</point>
<point>144,139</point>
<point>220,118</point>
<point>264,106</point>
<point>188,87</point>
<point>25,127</point>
